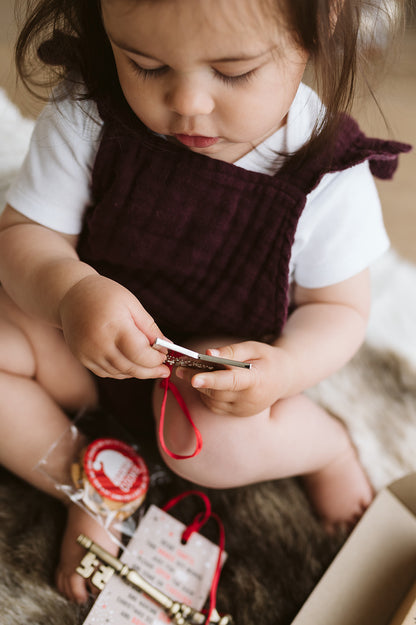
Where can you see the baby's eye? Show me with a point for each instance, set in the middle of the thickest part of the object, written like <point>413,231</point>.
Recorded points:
<point>235,80</point>
<point>148,73</point>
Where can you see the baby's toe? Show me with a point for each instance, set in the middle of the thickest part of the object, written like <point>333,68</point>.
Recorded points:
<point>72,586</point>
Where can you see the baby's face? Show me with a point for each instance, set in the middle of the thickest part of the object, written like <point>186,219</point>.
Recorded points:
<point>215,75</point>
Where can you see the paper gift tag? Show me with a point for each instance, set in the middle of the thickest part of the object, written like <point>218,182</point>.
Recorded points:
<point>184,572</point>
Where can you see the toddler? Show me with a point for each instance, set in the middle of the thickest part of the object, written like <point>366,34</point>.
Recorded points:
<point>184,183</point>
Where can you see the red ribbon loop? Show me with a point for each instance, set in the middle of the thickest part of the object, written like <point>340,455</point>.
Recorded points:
<point>200,520</point>
<point>168,385</point>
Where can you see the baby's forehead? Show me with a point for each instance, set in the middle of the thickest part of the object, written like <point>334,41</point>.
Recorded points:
<point>212,12</point>
<point>248,20</point>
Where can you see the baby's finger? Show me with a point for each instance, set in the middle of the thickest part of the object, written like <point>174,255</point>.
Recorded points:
<point>129,369</point>
<point>217,398</point>
<point>145,322</point>
<point>117,366</point>
<point>218,407</point>
<point>236,351</point>
<point>184,373</point>
<point>233,380</point>
<point>137,349</point>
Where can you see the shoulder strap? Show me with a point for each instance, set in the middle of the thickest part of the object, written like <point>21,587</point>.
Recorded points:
<point>350,148</point>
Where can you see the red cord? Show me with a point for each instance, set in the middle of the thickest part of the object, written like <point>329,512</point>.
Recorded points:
<point>168,385</point>
<point>202,517</point>
<point>200,520</point>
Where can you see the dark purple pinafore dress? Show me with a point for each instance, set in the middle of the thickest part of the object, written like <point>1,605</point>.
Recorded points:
<point>204,245</point>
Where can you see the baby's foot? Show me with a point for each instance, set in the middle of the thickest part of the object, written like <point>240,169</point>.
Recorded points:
<point>70,583</point>
<point>341,491</point>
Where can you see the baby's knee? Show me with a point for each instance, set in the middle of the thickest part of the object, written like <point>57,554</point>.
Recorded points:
<point>224,460</point>
<point>16,355</point>
<point>203,470</point>
<point>229,444</point>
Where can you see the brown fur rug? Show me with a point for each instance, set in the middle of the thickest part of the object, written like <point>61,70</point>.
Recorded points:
<point>277,549</point>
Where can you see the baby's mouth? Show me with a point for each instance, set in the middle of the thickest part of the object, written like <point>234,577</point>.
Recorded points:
<point>196,141</point>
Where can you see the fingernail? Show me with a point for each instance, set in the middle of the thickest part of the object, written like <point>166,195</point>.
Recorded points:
<point>214,352</point>
<point>198,382</point>
<point>180,373</point>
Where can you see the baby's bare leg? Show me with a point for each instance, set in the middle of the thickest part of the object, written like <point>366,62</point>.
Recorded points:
<point>39,380</point>
<point>295,437</point>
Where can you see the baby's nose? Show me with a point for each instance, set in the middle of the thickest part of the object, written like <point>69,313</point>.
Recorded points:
<point>189,98</point>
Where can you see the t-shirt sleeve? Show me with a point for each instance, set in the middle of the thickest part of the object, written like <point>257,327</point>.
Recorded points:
<point>341,230</point>
<point>53,186</point>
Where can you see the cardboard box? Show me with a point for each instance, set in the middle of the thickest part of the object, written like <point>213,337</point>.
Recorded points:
<point>406,614</point>
<point>371,575</point>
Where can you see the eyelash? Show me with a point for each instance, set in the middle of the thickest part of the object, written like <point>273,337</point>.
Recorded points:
<point>235,80</point>
<point>159,71</point>
<point>147,73</point>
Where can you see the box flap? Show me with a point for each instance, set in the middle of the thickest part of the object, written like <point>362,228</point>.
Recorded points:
<point>371,574</point>
<point>405,490</point>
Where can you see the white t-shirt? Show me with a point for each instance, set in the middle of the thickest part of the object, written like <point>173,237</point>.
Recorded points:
<point>340,231</point>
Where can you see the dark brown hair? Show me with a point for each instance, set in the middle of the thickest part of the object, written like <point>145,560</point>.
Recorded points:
<point>340,36</point>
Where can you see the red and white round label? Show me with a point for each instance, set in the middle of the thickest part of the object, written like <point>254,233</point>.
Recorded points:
<point>115,470</point>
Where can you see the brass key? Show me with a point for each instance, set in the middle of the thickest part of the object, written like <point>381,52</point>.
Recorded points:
<point>99,566</point>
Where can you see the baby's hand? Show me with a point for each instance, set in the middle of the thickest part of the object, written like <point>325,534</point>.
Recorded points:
<point>109,331</point>
<point>243,392</point>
